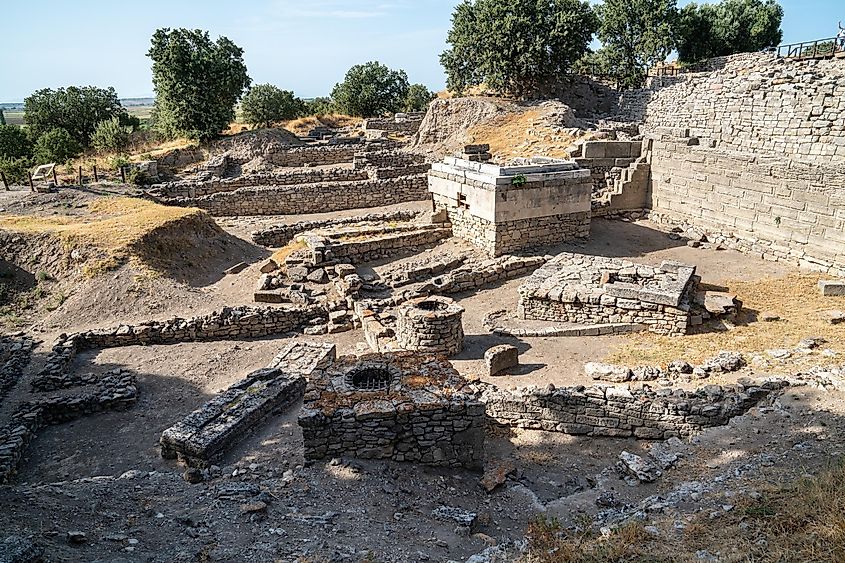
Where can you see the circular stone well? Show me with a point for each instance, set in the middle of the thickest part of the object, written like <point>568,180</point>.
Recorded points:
<point>431,324</point>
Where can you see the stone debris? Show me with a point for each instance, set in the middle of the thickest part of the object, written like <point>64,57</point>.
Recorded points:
<point>501,358</point>
<point>496,474</point>
<point>458,515</point>
<point>725,362</point>
<point>236,269</point>
<point>17,549</point>
<point>643,468</point>
<point>608,372</point>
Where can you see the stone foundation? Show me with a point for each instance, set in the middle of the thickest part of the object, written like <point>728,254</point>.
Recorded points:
<point>508,209</point>
<point>587,289</point>
<point>402,406</point>
<point>431,324</point>
<point>280,235</point>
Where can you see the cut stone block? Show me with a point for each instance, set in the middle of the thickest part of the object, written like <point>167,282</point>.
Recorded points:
<point>832,288</point>
<point>499,358</point>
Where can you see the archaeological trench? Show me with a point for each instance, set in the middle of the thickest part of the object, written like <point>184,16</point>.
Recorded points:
<point>399,311</point>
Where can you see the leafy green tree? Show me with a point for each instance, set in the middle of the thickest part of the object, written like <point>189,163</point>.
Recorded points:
<point>111,136</point>
<point>635,36</point>
<point>731,26</point>
<point>56,145</point>
<point>418,98</point>
<point>197,82</point>
<point>515,46</point>
<point>2,117</point>
<point>15,169</point>
<point>319,106</point>
<point>266,104</point>
<point>77,110</point>
<point>371,89</point>
<point>14,142</point>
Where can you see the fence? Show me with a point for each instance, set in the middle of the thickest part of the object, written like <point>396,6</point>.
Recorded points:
<point>818,49</point>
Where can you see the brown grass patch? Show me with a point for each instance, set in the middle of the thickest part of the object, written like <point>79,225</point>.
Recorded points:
<point>115,226</point>
<point>303,125</point>
<point>524,134</point>
<point>794,298</point>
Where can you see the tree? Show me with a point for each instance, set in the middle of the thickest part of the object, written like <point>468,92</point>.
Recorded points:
<point>726,28</point>
<point>197,82</point>
<point>77,110</point>
<point>111,136</point>
<point>14,142</point>
<point>515,46</point>
<point>266,104</point>
<point>319,106</point>
<point>56,145</point>
<point>371,89</point>
<point>635,36</point>
<point>2,117</point>
<point>418,98</point>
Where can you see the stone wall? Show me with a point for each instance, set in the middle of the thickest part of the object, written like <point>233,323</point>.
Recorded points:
<point>199,188</point>
<point>776,208</point>
<point>387,159</point>
<point>311,198</point>
<point>430,324</point>
<point>15,353</point>
<point>758,103</point>
<point>404,123</point>
<point>620,412</point>
<point>280,235</point>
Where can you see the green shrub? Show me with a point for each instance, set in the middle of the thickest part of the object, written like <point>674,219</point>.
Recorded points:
<point>266,104</point>
<point>14,142</point>
<point>15,169</point>
<point>319,106</point>
<point>136,176</point>
<point>371,89</point>
<point>418,98</point>
<point>111,136</point>
<point>57,146</point>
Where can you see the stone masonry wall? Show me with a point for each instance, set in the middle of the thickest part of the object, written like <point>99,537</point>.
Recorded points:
<point>620,412</point>
<point>311,198</point>
<point>777,208</point>
<point>199,188</point>
<point>280,235</point>
<point>761,104</point>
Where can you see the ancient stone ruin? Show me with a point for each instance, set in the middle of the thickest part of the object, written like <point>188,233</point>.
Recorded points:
<point>401,406</point>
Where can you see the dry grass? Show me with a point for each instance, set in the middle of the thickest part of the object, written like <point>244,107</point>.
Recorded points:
<point>116,227</point>
<point>303,125</point>
<point>804,521</point>
<point>524,134</point>
<point>281,255</point>
<point>795,299</point>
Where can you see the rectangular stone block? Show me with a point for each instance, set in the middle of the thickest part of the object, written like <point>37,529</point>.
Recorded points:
<point>832,288</point>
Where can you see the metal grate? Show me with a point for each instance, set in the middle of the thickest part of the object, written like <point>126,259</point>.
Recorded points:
<point>370,379</point>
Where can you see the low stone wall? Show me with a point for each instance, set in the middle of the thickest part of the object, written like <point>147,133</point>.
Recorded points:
<point>399,171</point>
<point>280,235</point>
<point>15,353</point>
<point>199,188</point>
<point>407,125</point>
<point>203,436</point>
<point>114,390</point>
<point>588,289</point>
<point>402,406</point>
<point>387,159</point>
<point>387,245</point>
<point>620,412</point>
<point>228,323</point>
<point>311,198</point>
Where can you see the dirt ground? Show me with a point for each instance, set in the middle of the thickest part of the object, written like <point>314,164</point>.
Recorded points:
<point>103,474</point>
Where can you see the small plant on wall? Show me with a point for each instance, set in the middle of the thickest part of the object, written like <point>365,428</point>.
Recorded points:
<point>519,181</point>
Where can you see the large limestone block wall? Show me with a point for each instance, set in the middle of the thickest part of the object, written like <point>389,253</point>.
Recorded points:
<point>777,208</point>
<point>755,103</point>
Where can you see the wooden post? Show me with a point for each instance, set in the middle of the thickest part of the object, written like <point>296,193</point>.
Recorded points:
<point>80,176</point>
<point>122,175</point>
<point>55,179</point>
<point>31,186</point>
<point>5,183</point>
<point>96,178</point>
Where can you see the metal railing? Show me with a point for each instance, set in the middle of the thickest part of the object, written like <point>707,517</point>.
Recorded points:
<point>818,49</point>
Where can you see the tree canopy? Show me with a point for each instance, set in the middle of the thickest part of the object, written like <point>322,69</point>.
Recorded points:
<point>635,36</point>
<point>418,98</point>
<point>14,142</point>
<point>56,145</point>
<point>77,110</point>
<point>729,27</point>
<point>370,90</point>
<point>197,82</point>
<point>515,46</point>
<point>266,104</point>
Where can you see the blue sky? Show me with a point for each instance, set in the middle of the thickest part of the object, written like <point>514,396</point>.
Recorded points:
<point>301,45</point>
